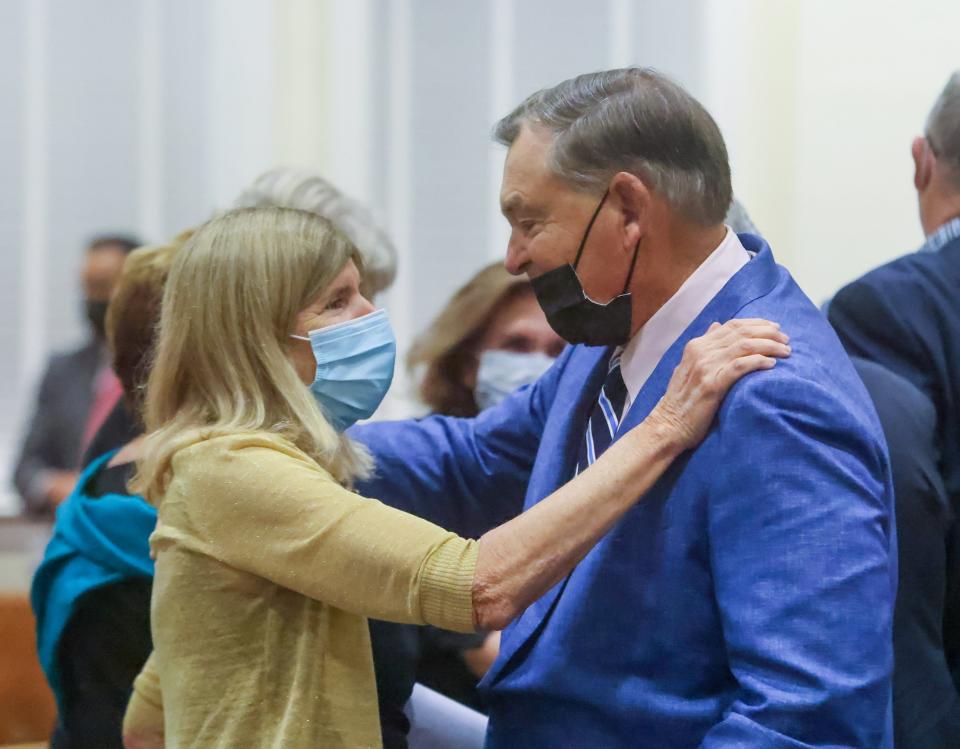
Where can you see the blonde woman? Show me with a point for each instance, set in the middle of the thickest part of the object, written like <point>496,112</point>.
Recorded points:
<point>266,563</point>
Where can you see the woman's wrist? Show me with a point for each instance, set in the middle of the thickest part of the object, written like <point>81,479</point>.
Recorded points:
<point>665,432</point>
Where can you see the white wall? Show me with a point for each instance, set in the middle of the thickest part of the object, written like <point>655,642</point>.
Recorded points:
<point>146,115</point>
<point>819,101</point>
<point>129,115</point>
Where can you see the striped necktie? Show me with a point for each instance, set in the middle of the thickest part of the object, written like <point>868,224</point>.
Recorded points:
<point>605,417</point>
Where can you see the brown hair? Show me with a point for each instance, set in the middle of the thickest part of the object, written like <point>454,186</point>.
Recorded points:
<point>446,347</point>
<point>134,313</point>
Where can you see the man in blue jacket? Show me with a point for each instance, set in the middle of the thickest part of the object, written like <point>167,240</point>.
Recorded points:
<point>747,600</point>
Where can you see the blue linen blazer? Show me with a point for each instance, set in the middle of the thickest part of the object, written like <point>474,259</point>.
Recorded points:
<point>745,601</point>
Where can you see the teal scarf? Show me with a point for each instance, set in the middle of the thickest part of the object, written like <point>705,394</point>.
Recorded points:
<point>96,541</point>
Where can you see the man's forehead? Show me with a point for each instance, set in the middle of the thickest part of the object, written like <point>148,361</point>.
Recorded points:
<point>529,150</point>
<point>525,171</point>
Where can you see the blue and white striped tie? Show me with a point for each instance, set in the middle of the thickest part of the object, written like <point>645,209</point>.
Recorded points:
<point>605,417</point>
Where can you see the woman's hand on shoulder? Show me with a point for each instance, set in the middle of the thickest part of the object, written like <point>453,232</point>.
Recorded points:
<point>711,364</point>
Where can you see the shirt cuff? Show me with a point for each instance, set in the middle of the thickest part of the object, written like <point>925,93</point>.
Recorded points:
<point>446,589</point>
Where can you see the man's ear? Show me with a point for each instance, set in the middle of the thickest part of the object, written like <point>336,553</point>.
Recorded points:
<point>923,159</point>
<point>631,198</point>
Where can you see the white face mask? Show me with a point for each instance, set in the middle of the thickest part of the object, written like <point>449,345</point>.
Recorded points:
<point>502,372</point>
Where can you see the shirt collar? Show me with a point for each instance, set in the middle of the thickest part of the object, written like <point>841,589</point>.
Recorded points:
<point>943,236</point>
<point>643,352</point>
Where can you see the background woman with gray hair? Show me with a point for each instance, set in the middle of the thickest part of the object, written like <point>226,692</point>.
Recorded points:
<point>305,190</point>
<point>266,563</point>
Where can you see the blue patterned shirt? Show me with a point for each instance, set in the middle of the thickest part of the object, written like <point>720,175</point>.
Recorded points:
<point>942,236</point>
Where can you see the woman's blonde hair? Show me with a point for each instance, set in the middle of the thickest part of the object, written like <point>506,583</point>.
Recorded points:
<point>446,349</point>
<point>221,366</point>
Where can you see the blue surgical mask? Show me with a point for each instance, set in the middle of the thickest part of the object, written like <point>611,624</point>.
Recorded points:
<point>502,372</point>
<point>355,361</point>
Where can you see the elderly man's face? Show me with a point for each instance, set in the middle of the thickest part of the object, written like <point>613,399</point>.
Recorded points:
<point>548,219</point>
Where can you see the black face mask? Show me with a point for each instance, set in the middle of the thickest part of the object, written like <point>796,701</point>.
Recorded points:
<point>96,312</point>
<point>576,317</point>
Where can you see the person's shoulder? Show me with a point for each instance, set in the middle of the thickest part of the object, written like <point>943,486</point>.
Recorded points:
<point>87,354</point>
<point>241,459</point>
<point>896,276</point>
<point>816,385</point>
<point>802,416</point>
<point>212,444</point>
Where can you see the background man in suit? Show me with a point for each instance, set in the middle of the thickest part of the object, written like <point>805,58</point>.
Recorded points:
<point>77,392</point>
<point>747,599</point>
<point>926,704</point>
<point>905,315</point>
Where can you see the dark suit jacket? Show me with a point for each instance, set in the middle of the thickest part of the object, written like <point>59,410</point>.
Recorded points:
<point>905,315</point>
<point>55,432</point>
<point>926,704</point>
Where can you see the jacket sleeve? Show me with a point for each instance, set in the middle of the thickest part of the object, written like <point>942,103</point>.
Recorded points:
<point>466,475</point>
<point>34,461</point>
<point>802,548</point>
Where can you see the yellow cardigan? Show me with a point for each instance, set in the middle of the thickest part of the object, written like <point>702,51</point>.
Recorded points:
<point>266,570</point>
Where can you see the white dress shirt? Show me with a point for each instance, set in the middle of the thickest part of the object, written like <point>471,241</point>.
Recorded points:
<point>648,345</point>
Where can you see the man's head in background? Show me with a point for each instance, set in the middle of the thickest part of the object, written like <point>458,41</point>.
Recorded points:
<point>936,158</point>
<point>101,270</point>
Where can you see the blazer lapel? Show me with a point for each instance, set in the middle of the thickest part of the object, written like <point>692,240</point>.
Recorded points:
<point>555,465</point>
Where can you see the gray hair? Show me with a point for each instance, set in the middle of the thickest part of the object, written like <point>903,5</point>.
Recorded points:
<point>739,220</point>
<point>943,127</point>
<point>305,190</point>
<point>634,120</point>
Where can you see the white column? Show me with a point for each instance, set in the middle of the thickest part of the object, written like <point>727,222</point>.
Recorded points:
<point>151,128</point>
<point>302,129</point>
<point>351,110</point>
<point>750,73</point>
<point>621,17</point>
<point>501,103</point>
<point>240,95</point>
<point>324,78</point>
<point>35,161</point>
<point>399,111</point>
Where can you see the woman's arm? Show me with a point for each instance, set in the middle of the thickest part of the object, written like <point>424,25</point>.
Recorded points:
<point>143,722</point>
<point>259,505</point>
<point>520,560</point>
